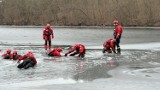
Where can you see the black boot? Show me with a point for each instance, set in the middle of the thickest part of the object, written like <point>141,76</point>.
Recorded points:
<point>118,50</point>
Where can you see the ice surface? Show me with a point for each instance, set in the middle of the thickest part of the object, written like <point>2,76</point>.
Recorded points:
<point>137,68</point>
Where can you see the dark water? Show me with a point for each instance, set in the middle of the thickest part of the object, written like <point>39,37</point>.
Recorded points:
<point>138,65</point>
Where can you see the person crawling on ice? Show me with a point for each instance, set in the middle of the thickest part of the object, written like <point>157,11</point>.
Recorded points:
<point>14,55</point>
<point>47,36</point>
<point>79,49</point>
<point>28,61</point>
<point>7,55</point>
<point>117,34</point>
<point>109,46</point>
<point>55,52</point>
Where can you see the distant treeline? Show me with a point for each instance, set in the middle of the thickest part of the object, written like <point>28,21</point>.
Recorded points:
<point>80,12</point>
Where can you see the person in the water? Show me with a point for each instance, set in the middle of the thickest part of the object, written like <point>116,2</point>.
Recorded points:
<point>79,49</point>
<point>109,46</point>
<point>15,55</point>
<point>7,55</point>
<point>28,61</point>
<point>55,52</point>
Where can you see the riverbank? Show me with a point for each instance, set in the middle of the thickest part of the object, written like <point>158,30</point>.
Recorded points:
<point>87,27</point>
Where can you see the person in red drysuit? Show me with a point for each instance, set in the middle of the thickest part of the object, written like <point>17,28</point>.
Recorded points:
<point>48,34</point>
<point>7,55</point>
<point>14,55</point>
<point>109,46</point>
<point>117,34</point>
<point>55,52</point>
<point>28,61</point>
<point>79,49</point>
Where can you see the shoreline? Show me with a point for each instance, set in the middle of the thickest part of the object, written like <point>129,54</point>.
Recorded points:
<point>90,27</point>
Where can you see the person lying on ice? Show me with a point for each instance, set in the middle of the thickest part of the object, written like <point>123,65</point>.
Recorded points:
<point>47,36</point>
<point>14,55</point>
<point>28,61</point>
<point>109,46</point>
<point>7,55</point>
<point>79,49</point>
<point>55,52</point>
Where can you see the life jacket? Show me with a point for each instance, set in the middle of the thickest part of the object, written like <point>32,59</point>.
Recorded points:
<point>48,32</point>
<point>118,30</point>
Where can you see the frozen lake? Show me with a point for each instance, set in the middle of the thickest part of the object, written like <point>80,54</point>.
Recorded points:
<point>137,68</point>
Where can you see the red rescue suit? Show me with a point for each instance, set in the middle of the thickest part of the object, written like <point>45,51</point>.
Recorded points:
<point>28,56</point>
<point>28,61</point>
<point>79,49</point>
<point>7,55</point>
<point>47,36</point>
<point>55,52</point>
<point>109,46</point>
<point>14,56</point>
<point>117,34</point>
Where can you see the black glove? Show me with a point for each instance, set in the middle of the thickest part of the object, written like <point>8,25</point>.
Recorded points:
<point>103,51</point>
<point>81,55</point>
<point>66,54</point>
<point>72,54</point>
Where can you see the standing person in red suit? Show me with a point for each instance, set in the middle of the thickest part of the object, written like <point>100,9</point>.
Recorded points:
<point>55,52</point>
<point>48,35</point>
<point>79,49</point>
<point>28,61</point>
<point>14,55</point>
<point>7,55</point>
<point>117,34</point>
<point>109,46</point>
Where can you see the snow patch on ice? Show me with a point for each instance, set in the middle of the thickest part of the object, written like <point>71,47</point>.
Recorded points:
<point>41,83</point>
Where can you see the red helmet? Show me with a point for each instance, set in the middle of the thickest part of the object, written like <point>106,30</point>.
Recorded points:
<point>115,22</point>
<point>76,45</point>
<point>8,51</point>
<point>29,53</point>
<point>59,49</point>
<point>14,52</point>
<point>48,26</point>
